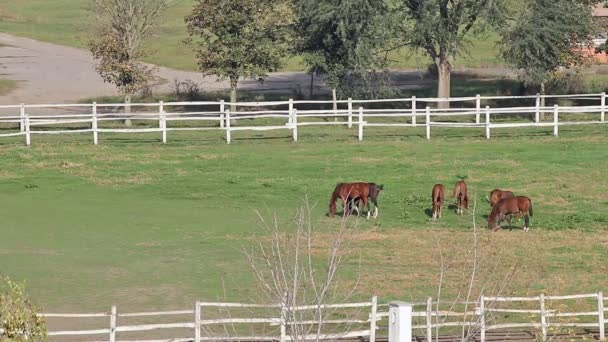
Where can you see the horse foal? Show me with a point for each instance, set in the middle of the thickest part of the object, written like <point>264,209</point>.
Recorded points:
<point>438,197</point>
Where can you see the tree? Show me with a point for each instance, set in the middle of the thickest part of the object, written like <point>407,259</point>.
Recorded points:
<point>442,28</point>
<point>118,46</point>
<point>18,316</point>
<point>236,39</point>
<point>342,40</point>
<point>546,38</point>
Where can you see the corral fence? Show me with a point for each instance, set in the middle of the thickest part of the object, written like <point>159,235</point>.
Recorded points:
<point>485,113</point>
<point>543,314</point>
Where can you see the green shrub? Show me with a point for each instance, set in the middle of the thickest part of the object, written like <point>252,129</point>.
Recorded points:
<point>18,319</point>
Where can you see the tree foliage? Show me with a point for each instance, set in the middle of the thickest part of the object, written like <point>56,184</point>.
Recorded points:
<point>547,37</point>
<point>344,40</point>
<point>236,39</point>
<point>122,28</point>
<point>18,317</point>
<point>443,28</point>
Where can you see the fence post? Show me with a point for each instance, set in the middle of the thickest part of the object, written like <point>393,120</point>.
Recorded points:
<point>360,123</point>
<point>22,120</point>
<point>600,310</point>
<point>222,109</point>
<point>162,123</point>
<point>294,122</point>
<point>373,319</point>
<point>543,317</point>
<point>350,112</point>
<point>429,319</point>
<point>290,111</point>
<point>94,124</point>
<point>428,123</point>
<point>414,111</point>
<point>28,138</point>
<point>482,319</point>
<point>556,120</point>
<point>487,122</point>
<point>113,324</point>
<point>537,113</point>
<point>477,108</point>
<point>603,110</point>
<point>228,126</point>
<point>283,337</point>
<point>197,322</point>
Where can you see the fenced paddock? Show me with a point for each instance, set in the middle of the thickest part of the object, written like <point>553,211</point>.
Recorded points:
<point>539,316</point>
<point>482,113</point>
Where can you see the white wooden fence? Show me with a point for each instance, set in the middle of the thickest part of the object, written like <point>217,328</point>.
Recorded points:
<point>480,318</point>
<point>465,112</point>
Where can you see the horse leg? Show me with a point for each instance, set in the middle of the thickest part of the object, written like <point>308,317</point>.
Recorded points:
<point>366,204</point>
<point>527,222</point>
<point>375,207</point>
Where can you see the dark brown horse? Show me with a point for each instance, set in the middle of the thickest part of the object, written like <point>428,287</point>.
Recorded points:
<point>352,194</point>
<point>462,197</point>
<point>518,206</point>
<point>438,196</point>
<point>497,194</point>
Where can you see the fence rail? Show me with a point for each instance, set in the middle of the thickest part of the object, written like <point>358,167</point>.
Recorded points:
<point>478,315</point>
<point>466,112</point>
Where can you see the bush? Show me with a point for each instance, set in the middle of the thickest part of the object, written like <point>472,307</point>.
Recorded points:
<point>18,320</point>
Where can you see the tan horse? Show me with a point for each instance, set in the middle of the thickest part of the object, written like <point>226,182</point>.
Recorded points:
<point>518,206</point>
<point>497,194</point>
<point>438,196</point>
<point>462,197</point>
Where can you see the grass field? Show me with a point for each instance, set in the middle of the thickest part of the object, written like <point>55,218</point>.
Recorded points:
<point>148,226</point>
<point>6,86</point>
<point>68,22</point>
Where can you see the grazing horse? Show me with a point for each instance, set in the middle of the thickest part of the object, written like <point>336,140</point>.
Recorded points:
<point>438,196</point>
<point>520,205</point>
<point>497,194</point>
<point>462,197</point>
<point>355,193</point>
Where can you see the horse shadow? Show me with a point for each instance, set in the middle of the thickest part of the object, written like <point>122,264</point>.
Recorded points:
<point>428,212</point>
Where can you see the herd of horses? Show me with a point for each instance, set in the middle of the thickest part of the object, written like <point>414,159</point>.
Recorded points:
<point>505,205</point>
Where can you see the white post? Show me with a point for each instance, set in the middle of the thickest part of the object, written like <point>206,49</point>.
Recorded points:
<point>94,124</point>
<point>537,113</point>
<point>414,111</point>
<point>556,120</point>
<point>222,109</point>
<point>283,337</point>
<point>543,317</point>
<point>482,319</point>
<point>400,322</point>
<point>428,123</point>
<point>600,310</point>
<point>294,122</point>
<point>22,120</point>
<point>603,110</point>
<point>197,322</point>
<point>228,126</point>
<point>162,121</point>
<point>373,319</point>
<point>487,122</point>
<point>113,324</point>
<point>290,111</point>
<point>477,108</point>
<point>350,112</point>
<point>28,138</point>
<point>429,319</point>
<point>360,123</point>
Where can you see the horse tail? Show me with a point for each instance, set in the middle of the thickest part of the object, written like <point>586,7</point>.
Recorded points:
<point>530,209</point>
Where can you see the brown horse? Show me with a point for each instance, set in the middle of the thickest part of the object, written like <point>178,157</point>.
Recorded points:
<point>462,197</point>
<point>438,196</point>
<point>374,192</point>
<point>497,194</point>
<point>348,193</point>
<point>518,206</point>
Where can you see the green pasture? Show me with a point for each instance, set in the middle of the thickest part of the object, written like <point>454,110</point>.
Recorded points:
<point>6,86</point>
<point>147,226</point>
<point>68,22</point>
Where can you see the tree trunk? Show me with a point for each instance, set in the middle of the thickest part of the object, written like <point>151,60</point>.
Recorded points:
<point>127,109</point>
<point>233,98</point>
<point>444,70</point>
<point>542,100</point>
<point>335,102</point>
